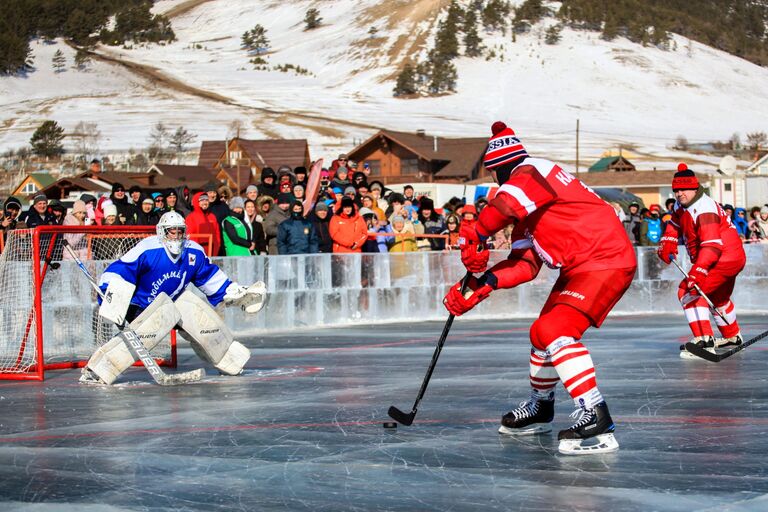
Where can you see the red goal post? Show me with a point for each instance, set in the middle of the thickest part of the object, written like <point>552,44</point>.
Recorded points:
<point>48,313</point>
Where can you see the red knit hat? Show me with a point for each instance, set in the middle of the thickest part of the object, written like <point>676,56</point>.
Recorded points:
<point>503,147</point>
<point>684,178</point>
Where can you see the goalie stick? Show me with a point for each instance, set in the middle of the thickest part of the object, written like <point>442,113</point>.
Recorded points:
<point>407,418</point>
<point>134,344</point>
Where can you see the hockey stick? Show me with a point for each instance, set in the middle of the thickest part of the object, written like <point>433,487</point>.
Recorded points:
<point>703,296</point>
<point>134,344</point>
<point>716,358</point>
<point>407,419</point>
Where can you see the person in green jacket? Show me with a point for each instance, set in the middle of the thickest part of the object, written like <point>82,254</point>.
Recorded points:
<point>237,234</point>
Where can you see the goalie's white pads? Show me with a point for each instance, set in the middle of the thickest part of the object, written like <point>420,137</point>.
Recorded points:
<point>250,299</point>
<point>152,325</point>
<point>116,301</point>
<point>209,336</point>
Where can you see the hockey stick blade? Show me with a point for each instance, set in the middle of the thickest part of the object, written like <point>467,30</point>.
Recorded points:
<point>140,352</point>
<point>400,417</point>
<point>716,358</point>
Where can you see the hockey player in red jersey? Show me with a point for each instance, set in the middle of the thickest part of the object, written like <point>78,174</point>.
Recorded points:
<point>560,222</point>
<point>717,257</point>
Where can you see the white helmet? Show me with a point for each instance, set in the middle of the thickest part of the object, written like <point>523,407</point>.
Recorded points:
<point>169,221</point>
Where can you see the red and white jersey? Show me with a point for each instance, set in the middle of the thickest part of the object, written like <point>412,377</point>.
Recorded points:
<point>570,226</point>
<point>703,223</point>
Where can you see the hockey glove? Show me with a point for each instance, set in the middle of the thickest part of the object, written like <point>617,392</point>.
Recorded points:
<point>667,249</point>
<point>477,291</point>
<point>250,299</point>
<point>696,278</point>
<point>474,255</point>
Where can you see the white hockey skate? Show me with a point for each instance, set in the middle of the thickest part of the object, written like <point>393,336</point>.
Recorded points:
<point>707,342</point>
<point>591,434</point>
<point>732,342</point>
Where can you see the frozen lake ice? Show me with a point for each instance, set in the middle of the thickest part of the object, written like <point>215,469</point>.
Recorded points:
<point>302,429</point>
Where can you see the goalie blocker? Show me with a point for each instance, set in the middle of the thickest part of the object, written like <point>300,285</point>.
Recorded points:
<point>162,267</point>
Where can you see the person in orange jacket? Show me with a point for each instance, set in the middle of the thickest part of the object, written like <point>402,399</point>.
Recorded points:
<point>203,222</point>
<point>348,229</point>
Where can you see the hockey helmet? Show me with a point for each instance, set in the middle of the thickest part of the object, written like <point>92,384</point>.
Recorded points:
<point>172,221</point>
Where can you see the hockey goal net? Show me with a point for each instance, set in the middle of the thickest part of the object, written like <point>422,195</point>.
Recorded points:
<point>48,312</point>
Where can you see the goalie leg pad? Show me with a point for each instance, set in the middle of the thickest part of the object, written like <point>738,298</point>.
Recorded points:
<point>152,325</point>
<point>209,336</point>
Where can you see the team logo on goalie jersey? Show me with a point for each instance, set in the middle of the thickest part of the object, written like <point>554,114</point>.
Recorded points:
<point>192,260</point>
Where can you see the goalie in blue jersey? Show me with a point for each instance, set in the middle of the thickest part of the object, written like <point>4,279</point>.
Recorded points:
<point>147,288</point>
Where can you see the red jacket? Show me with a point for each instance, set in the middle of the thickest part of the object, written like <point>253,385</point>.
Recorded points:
<point>346,231</point>
<point>201,222</point>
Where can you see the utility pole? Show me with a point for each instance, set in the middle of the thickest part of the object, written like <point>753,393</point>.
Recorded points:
<point>577,146</point>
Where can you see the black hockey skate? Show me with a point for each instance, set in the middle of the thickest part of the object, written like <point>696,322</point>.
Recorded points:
<point>705,342</point>
<point>592,432</point>
<point>533,416</point>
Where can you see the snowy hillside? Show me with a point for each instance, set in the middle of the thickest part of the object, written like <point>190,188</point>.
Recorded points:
<point>622,93</point>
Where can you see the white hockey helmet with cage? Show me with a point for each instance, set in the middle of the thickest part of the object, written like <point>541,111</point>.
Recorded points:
<point>172,221</point>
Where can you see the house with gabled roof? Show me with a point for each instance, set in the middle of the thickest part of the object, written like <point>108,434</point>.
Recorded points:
<point>400,157</point>
<point>612,163</point>
<point>240,161</point>
<point>32,184</point>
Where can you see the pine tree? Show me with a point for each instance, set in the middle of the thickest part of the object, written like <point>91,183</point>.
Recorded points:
<point>443,77</point>
<point>46,141</point>
<point>406,82</point>
<point>312,19</point>
<point>59,61</point>
<point>495,15</point>
<point>255,40</point>
<point>446,42</point>
<point>15,53</point>
<point>82,59</point>
<point>472,41</point>
<point>552,35</point>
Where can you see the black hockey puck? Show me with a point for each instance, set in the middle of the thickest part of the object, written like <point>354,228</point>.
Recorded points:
<point>389,424</point>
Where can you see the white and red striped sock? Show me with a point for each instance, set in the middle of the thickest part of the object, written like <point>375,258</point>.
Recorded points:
<point>731,329</point>
<point>543,375</point>
<point>697,313</point>
<point>574,366</point>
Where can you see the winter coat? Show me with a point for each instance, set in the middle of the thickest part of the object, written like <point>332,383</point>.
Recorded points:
<point>296,236</point>
<point>741,224</point>
<point>237,235</point>
<point>126,211</point>
<point>33,219</point>
<point>201,222</point>
<point>632,225</point>
<point>406,243</point>
<point>325,242</point>
<point>182,205</point>
<point>148,219</point>
<point>383,242</point>
<point>347,231</point>
<point>434,225</point>
<point>274,218</point>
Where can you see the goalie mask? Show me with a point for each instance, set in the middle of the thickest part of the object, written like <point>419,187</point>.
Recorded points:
<point>172,232</point>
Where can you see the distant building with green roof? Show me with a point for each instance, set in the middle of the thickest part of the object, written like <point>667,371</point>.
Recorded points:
<point>612,163</point>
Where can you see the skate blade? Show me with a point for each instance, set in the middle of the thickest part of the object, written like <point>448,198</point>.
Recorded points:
<point>684,354</point>
<point>539,428</point>
<point>604,443</point>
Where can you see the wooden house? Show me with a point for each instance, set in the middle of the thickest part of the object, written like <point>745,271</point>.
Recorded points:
<point>401,157</point>
<point>612,163</point>
<point>32,184</point>
<point>239,162</point>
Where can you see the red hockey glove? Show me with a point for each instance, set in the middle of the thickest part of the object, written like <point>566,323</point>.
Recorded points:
<point>458,304</point>
<point>696,277</point>
<point>474,255</point>
<point>667,249</point>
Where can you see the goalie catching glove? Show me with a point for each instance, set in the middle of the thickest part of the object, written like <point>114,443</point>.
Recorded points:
<point>251,299</point>
<point>477,291</point>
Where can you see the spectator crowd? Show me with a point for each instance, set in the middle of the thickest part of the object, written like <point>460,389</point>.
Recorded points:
<point>351,214</point>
